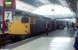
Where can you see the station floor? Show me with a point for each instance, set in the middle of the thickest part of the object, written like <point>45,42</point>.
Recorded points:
<point>56,40</point>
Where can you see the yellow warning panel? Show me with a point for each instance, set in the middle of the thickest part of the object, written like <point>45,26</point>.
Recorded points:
<point>17,27</point>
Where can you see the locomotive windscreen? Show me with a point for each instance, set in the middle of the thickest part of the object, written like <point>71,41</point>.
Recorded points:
<point>24,19</point>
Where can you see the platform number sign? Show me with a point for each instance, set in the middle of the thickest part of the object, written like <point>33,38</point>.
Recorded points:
<point>8,15</point>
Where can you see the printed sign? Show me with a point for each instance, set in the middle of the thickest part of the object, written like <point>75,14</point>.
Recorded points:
<point>8,3</point>
<point>8,15</point>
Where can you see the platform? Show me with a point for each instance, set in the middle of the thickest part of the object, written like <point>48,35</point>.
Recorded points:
<point>57,40</point>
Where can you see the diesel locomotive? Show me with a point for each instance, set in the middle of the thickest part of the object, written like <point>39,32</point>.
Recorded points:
<point>31,24</point>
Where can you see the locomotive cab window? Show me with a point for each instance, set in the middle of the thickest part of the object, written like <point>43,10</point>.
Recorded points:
<point>25,19</point>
